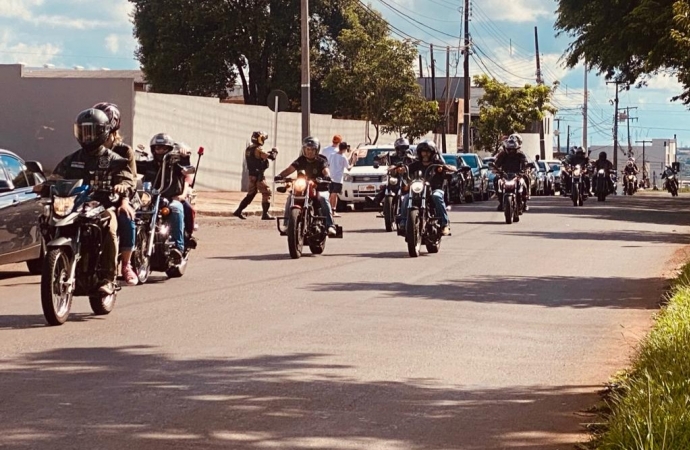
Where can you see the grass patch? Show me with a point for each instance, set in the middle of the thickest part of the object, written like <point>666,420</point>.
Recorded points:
<point>649,405</point>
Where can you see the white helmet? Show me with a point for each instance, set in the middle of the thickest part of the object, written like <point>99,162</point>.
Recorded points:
<point>517,138</point>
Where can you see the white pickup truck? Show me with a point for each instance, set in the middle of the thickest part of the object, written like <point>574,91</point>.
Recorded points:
<point>363,179</point>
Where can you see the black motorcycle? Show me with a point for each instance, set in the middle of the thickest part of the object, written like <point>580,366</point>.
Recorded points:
<point>391,200</point>
<point>73,225</point>
<point>671,182</point>
<point>629,183</point>
<point>577,191</point>
<point>154,244</point>
<point>511,187</point>
<point>601,187</point>
<point>423,226</point>
<point>305,221</point>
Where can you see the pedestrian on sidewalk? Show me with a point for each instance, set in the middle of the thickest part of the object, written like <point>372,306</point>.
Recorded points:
<point>333,148</point>
<point>257,163</point>
<point>338,163</point>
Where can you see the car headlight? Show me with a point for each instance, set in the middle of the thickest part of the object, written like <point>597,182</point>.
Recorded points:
<point>63,205</point>
<point>417,187</point>
<point>347,177</point>
<point>300,185</point>
<point>145,199</point>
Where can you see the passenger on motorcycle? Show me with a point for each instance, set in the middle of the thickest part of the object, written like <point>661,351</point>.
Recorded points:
<point>175,189</point>
<point>402,155</point>
<point>105,172</point>
<point>604,163</point>
<point>573,160</point>
<point>315,166</point>
<point>512,160</point>
<point>631,167</point>
<point>427,154</point>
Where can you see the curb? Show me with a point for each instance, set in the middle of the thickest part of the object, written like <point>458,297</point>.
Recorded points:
<point>228,213</point>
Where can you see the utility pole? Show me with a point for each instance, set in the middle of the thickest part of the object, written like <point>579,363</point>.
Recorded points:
<point>644,167</point>
<point>584,114</point>
<point>540,80</point>
<point>567,145</point>
<point>558,133</point>
<point>615,126</point>
<point>433,72</point>
<point>628,119</point>
<point>447,103</point>
<point>468,86</point>
<point>306,77</point>
<point>421,70</point>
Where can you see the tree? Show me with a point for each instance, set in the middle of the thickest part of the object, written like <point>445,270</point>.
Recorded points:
<point>413,117</point>
<point>629,40</point>
<point>373,77</point>
<point>504,110</point>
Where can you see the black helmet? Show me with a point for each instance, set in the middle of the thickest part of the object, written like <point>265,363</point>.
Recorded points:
<point>426,146</point>
<point>602,155</point>
<point>111,110</point>
<point>259,137</point>
<point>161,139</point>
<point>580,151</point>
<point>92,128</point>
<point>311,142</point>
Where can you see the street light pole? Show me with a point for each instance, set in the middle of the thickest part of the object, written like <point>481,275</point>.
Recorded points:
<point>306,91</point>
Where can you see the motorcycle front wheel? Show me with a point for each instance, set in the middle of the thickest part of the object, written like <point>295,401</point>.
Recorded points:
<point>414,233</point>
<point>508,210</point>
<point>295,234</point>
<point>388,213</point>
<point>56,297</point>
<point>576,195</point>
<point>140,261</point>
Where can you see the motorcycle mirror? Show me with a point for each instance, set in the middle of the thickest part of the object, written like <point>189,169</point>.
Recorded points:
<point>376,165</point>
<point>34,167</point>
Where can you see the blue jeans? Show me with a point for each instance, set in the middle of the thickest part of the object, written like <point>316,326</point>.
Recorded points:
<point>176,220</point>
<point>126,232</point>
<point>325,209</point>
<point>437,197</point>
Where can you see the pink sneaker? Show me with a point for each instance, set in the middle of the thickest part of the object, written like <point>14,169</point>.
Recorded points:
<point>130,277</point>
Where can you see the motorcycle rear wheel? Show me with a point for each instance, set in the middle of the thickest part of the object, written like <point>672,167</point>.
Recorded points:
<point>102,305</point>
<point>318,248</point>
<point>295,234</point>
<point>434,248</point>
<point>414,234</point>
<point>56,303</point>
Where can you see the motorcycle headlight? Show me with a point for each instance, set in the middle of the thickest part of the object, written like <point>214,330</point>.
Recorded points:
<point>63,205</point>
<point>392,181</point>
<point>300,185</point>
<point>417,187</point>
<point>145,200</point>
<point>347,177</point>
<point>576,172</point>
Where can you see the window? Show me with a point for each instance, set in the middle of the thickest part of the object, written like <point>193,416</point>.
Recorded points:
<point>371,155</point>
<point>16,171</point>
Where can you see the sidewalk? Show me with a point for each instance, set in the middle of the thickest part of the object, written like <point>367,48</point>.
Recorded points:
<point>223,204</point>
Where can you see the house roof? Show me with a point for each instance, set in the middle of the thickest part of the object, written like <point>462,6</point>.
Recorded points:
<point>136,75</point>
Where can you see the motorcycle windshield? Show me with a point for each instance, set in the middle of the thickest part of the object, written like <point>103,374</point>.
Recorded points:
<point>67,188</point>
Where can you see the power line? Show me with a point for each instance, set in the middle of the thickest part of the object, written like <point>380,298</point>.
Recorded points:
<point>417,22</point>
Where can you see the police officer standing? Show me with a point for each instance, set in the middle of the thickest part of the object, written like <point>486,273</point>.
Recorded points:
<point>257,163</point>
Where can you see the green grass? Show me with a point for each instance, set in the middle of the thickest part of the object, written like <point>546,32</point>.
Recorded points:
<point>650,405</point>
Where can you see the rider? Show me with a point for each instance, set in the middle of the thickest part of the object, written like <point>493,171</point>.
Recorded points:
<point>126,228</point>
<point>604,163</point>
<point>257,163</point>
<point>428,154</point>
<point>579,158</point>
<point>175,189</point>
<point>512,160</point>
<point>402,155</point>
<point>105,172</point>
<point>315,166</point>
<point>630,169</point>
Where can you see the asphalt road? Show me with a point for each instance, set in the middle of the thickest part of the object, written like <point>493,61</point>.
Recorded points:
<point>499,341</point>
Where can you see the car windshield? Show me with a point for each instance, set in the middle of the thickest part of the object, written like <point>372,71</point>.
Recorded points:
<point>542,165</point>
<point>371,154</point>
<point>451,160</point>
<point>471,161</point>
<point>555,166</point>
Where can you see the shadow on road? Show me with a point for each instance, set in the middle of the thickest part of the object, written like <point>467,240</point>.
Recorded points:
<point>132,398</point>
<point>19,322</point>
<point>548,291</point>
<point>622,235</point>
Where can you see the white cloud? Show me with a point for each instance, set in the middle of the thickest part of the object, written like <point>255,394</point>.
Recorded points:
<point>516,10</point>
<point>12,52</point>
<point>112,43</point>
<point>18,8</point>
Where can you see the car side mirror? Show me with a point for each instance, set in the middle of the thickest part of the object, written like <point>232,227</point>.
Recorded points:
<point>485,167</point>
<point>6,186</point>
<point>34,167</point>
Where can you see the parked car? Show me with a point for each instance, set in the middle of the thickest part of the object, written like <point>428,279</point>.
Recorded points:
<point>492,175</point>
<point>545,185</point>
<point>480,173</point>
<point>363,179</point>
<point>460,186</point>
<point>20,237</point>
<point>556,167</point>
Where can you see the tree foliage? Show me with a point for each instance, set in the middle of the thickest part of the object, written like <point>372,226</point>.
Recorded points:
<point>629,40</point>
<point>504,110</point>
<point>413,117</point>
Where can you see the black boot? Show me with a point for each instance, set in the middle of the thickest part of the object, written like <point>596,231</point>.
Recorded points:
<point>243,204</point>
<point>500,203</point>
<point>266,215</point>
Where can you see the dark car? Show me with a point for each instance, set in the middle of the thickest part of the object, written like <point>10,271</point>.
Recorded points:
<point>480,173</point>
<point>20,238</point>
<point>459,186</point>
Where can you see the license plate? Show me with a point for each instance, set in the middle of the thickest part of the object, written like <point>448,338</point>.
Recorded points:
<point>367,188</point>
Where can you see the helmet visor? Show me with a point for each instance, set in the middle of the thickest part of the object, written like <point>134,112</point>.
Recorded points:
<point>88,133</point>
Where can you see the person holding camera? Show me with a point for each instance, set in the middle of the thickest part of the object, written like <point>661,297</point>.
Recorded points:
<point>257,163</point>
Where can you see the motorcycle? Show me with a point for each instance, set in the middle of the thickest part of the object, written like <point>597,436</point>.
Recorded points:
<point>671,181</point>
<point>154,244</point>
<point>577,193</point>
<point>73,225</point>
<point>511,187</point>
<point>601,188</point>
<point>392,199</point>
<point>422,224</point>
<point>630,183</point>
<point>303,223</point>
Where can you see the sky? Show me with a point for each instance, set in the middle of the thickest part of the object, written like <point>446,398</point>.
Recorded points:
<point>68,33</point>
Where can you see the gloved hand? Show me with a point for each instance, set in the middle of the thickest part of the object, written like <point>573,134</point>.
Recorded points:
<point>278,178</point>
